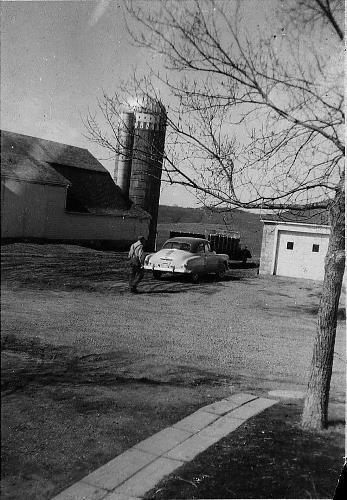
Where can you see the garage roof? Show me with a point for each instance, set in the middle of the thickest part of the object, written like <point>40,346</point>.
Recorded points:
<point>314,216</point>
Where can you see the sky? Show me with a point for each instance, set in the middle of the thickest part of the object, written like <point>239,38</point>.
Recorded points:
<point>56,59</point>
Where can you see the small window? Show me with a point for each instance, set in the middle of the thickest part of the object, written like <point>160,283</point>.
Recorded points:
<point>290,245</point>
<point>315,248</point>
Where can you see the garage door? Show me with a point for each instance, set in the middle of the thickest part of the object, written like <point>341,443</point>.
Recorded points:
<point>301,255</point>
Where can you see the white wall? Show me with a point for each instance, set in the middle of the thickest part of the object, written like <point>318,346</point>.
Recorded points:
<point>24,207</point>
<point>268,246</point>
<point>30,210</point>
<point>299,262</point>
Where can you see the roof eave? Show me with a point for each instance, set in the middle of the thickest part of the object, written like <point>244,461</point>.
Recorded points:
<point>269,221</point>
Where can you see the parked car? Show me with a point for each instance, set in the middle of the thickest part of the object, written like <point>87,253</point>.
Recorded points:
<point>192,256</point>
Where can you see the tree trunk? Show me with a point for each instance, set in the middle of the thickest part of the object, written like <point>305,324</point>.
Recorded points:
<point>315,414</point>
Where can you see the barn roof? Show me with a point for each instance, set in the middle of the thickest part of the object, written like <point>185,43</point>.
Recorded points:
<point>17,167</point>
<point>49,151</point>
<point>91,188</point>
<point>315,216</point>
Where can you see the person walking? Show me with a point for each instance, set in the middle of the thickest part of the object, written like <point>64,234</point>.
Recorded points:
<point>137,259</point>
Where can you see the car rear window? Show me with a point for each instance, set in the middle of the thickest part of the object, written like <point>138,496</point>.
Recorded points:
<point>178,245</point>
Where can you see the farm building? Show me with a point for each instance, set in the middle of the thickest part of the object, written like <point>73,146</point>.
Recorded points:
<point>295,245</point>
<point>53,191</point>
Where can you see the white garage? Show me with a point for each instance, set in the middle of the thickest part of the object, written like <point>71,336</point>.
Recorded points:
<point>294,249</point>
<point>301,255</point>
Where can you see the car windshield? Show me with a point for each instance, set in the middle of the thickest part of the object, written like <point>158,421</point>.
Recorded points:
<point>178,245</point>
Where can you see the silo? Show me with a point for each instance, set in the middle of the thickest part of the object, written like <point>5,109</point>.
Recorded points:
<point>147,162</point>
<point>126,139</point>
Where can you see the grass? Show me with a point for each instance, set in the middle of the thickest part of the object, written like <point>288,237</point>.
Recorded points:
<point>270,456</point>
<point>65,414</point>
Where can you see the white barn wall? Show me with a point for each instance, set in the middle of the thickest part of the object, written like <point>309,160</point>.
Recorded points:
<point>24,207</point>
<point>32,210</point>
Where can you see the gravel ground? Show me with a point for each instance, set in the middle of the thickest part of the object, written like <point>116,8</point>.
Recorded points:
<point>256,330</point>
<point>88,369</point>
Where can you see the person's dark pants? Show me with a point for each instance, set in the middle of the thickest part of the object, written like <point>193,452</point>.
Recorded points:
<point>135,276</point>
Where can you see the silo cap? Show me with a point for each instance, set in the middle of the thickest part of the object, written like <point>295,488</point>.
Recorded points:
<point>148,104</point>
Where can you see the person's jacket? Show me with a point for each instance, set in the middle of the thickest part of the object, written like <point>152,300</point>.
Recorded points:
<point>136,252</point>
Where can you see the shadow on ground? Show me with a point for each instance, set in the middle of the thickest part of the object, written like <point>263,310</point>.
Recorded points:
<point>341,313</point>
<point>182,284</point>
<point>31,361</point>
<point>65,413</point>
<point>65,267</point>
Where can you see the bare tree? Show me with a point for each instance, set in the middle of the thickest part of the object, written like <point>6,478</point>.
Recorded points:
<point>255,121</point>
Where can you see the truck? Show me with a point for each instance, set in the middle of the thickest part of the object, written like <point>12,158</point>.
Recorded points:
<point>226,242</point>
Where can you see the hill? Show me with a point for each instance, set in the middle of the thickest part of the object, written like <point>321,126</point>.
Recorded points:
<point>199,219</point>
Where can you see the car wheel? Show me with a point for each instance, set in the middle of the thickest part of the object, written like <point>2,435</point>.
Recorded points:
<point>195,277</point>
<point>221,273</point>
<point>157,275</point>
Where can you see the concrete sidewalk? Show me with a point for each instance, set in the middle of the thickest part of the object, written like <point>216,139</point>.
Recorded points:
<point>133,473</point>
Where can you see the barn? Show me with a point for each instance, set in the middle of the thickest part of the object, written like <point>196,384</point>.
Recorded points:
<point>295,244</point>
<point>56,192</point>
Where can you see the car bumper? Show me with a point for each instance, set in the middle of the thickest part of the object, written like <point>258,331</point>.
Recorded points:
<point>171,269</point>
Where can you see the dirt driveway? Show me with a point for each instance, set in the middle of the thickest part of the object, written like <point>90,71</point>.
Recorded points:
<point>256,330</point>
<point>70,325</point>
